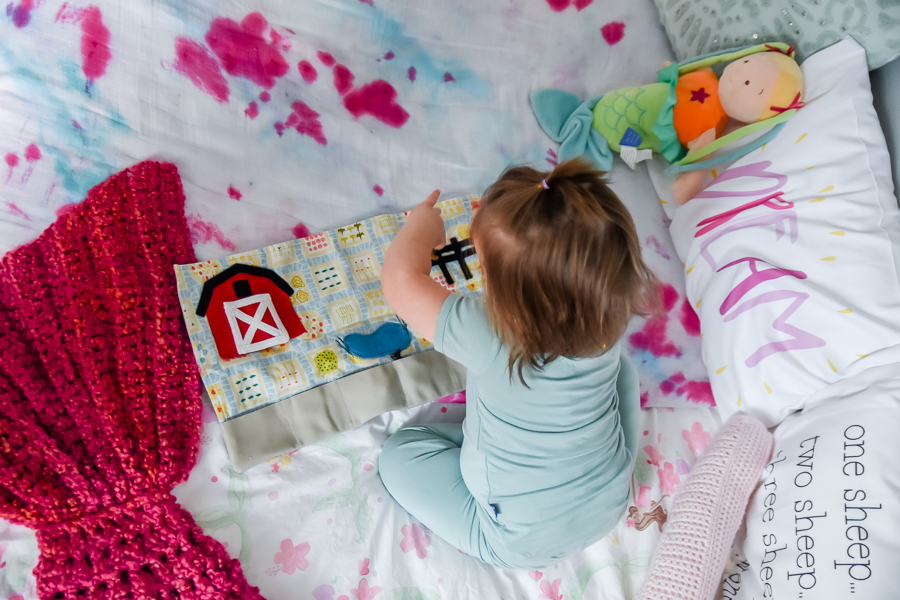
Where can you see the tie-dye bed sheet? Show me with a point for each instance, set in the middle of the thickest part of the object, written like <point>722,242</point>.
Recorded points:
<point>293,117</point>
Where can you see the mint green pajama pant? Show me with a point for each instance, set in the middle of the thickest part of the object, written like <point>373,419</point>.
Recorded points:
<point>420,467</point>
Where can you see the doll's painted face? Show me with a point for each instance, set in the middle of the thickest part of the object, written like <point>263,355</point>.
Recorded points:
<point>746,86</point>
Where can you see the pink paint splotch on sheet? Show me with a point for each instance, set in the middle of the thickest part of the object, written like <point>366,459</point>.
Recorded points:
<point>389,55</point>
<point>234,193</point>
<point>196,63</point>
<point>689,319</point>
<point>244,51</point>
<point>343,79</point>
<point>653,337</point>
<point>17,211</point>
<point>21,14</point>
<point>561,5</point>
<point>203,232</point>
<point>95,52</point>
<point>252,110</point>
<point>657,247</point>
<point>63,14</point>
<point>698,392</point>
<point>305,120</point>
<point>325,58</point>
<point>307,71</point>
<point>613,32</point>
<point>280,40</point>
<point>378,189</point>
<point>32,155</point>
<point>411,73</point>
<point>264,96</point>
<point>49,193</point>
<point>369,2</point>
<point>12,160</point>
<point>300,230</point>
<point>448,77</point>
<point>377,99</point>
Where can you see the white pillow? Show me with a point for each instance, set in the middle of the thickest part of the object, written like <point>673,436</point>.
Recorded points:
<point>799,294</point>
<point>823,522</point>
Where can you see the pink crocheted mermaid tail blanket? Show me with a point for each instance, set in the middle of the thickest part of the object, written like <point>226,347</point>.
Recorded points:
<point>100,399</point>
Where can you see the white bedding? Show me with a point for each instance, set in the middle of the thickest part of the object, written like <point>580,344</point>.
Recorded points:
<point>68,122</point>
<point>791,252</point>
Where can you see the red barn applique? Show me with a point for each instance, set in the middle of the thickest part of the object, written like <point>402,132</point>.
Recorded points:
<point>248,309</point>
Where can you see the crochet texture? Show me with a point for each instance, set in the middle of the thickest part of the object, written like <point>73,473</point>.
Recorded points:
<point>707,513</point>
<point>100,399</point>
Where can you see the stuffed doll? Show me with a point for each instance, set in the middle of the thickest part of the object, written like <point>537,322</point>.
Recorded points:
<point>683,116</point>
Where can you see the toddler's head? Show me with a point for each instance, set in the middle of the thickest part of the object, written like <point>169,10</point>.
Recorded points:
<point>562,264</point>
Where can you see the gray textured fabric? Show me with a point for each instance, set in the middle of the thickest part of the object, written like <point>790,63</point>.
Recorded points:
<point>338,406</point>
<point>886,90</point>
<point>696,27</point>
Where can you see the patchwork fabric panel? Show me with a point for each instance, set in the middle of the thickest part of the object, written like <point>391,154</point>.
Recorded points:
<point>335,277</point>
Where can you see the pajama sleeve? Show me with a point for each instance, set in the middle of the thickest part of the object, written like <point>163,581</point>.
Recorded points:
<point>463,333</point>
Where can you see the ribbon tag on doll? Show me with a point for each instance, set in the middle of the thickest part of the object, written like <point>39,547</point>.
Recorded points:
<point>629,148</point>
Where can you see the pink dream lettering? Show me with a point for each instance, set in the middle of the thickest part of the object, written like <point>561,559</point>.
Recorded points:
<point>783,217</point>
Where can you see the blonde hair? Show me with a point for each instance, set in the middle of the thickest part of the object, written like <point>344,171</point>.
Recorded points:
<point>787,86</point>
<point>562,265</point>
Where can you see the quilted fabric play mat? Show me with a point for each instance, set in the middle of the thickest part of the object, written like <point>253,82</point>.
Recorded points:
<point>289,121</point>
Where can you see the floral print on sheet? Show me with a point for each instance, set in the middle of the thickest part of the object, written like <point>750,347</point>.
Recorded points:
<point>664,463</point>
<point>317,528</point>
<point>327,499</point>
<point>291,557</point>
<point>247,186</point>
<point>415,538</point>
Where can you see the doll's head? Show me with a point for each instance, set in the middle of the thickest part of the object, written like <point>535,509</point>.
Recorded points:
<point>562,265</point>
<point>751,86</point>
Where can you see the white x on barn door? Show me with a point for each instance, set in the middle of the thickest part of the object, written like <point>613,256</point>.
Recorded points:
<point>267,335</point>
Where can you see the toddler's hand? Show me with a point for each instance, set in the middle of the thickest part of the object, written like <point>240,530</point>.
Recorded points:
<point>426,220</point>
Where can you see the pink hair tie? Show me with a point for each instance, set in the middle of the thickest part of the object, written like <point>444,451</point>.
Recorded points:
<point>790,51</point>
<point>544,184</point>
<point>795,104</point>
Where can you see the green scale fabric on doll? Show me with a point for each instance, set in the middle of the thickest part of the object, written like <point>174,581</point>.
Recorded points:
<point>637,108</point>
<point>683,114</point>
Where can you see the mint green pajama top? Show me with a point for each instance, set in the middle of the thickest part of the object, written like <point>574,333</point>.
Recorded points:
<point>547,463</point>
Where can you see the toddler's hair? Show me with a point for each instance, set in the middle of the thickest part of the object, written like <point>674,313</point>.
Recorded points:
<point>561,264</point>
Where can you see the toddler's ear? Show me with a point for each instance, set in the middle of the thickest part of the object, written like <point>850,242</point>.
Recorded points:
<point>476,206</point>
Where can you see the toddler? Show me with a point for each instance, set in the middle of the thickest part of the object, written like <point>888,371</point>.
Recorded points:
<point>540,468</point>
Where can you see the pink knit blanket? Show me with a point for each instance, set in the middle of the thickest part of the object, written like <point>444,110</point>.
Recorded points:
<point>100,399</point>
